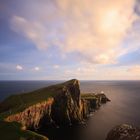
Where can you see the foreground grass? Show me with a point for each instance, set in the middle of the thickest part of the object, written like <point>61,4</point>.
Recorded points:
<point>12,131</point>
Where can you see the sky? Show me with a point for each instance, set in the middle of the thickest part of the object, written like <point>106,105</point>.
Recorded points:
<point>65,39</point>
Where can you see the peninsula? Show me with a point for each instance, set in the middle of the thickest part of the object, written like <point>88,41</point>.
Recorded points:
<point>57,105</point>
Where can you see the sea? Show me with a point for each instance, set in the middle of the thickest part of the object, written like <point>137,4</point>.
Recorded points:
<point>123,108</point>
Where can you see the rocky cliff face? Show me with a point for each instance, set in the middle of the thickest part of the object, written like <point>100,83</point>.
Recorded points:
<point>34,116</point>
<point>124,132</point>
<point>65,107</point>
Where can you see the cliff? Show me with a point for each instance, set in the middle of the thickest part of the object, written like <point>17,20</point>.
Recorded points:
<point>124,132</point>
<point>33,116</point>
<point>60,104</point>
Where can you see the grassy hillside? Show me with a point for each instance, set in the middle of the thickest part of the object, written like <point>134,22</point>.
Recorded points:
<point>17,103</point>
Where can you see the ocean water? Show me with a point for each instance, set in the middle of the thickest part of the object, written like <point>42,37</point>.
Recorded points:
<point>8,88</point>
<point>123,108</point>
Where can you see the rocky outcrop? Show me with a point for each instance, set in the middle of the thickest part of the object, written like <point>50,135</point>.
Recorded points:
<point>94,101</point>
<point>65,107</point>
<point>124,132</point>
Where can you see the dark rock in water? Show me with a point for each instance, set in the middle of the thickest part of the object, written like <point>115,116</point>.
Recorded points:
<point>124,132</point>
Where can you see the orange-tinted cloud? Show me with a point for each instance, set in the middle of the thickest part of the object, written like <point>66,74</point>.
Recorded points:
<point>95,29</point>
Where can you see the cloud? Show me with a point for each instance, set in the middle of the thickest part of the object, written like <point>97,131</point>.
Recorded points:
<point>34,31</point>
<point>19,67</point>
<point>135,70</point>
<point>98,72</point>
<point>94,29</point>
<point>85,71</point>
<point>36,68</point>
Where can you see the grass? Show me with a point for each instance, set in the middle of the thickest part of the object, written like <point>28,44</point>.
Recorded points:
<point>12,131</point>
<point>88,96</point>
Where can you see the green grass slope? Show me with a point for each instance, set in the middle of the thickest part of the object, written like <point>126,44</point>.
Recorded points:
<point>12,131</point>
